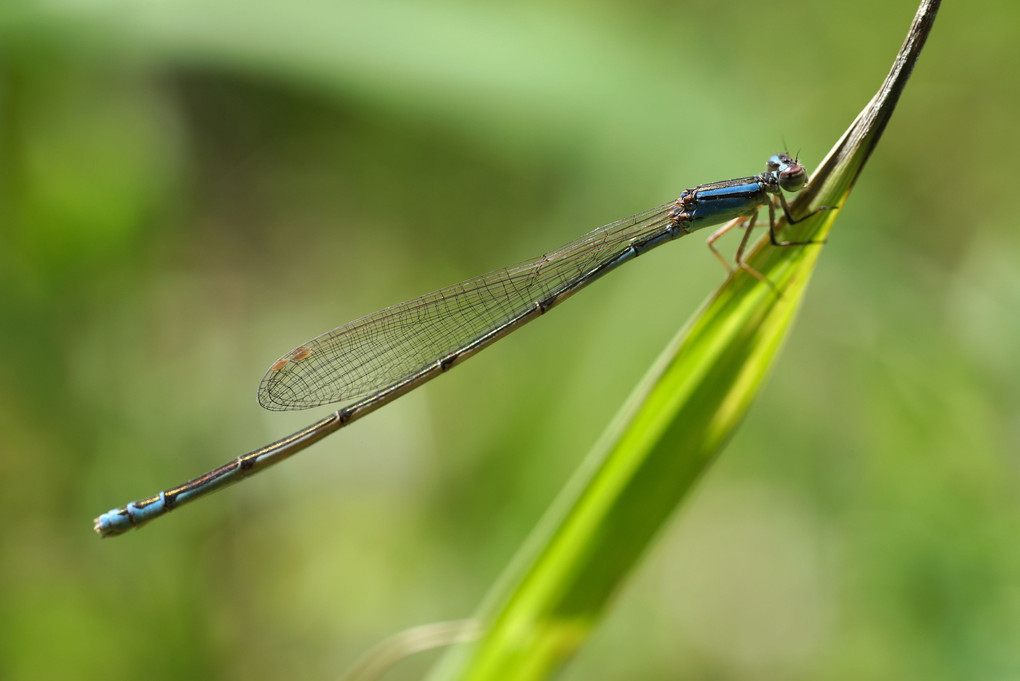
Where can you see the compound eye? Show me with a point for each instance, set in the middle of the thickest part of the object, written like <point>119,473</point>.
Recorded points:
<point>793,177</point>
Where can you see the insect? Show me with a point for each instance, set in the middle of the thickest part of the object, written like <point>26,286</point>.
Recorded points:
<point>373,360</point>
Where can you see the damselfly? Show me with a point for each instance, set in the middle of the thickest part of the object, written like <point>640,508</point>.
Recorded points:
<point>369,362</point>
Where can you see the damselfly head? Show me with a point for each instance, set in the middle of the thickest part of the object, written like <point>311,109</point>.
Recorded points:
<point>791,175</point>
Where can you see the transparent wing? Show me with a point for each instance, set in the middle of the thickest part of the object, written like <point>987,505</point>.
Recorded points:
<point>394,345</point>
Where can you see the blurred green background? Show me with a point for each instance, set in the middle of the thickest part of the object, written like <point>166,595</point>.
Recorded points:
<point>190,189</point>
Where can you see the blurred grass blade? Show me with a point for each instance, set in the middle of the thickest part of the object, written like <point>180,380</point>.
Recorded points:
<point>669,430</point>
<point>378,659</point>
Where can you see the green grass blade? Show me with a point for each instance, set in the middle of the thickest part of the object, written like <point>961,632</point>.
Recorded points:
<point>670,429</point>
